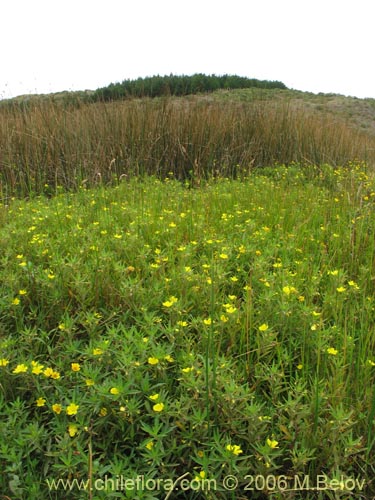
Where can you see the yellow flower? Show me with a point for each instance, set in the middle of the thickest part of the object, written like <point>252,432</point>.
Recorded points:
<point>114,391</point>
<point>72,429</point>
<point>264,418</point>
<point>182,323</point>
<point>16,301</point>
<point>40,402</point>
<point>20,369</point>
<point>168,358</point>
<point>158,407</point>
<point>300,366</point>
<point>272,443</point>
<point>370,362</point>
<point>289,289</point>
<point>153,361</point>
<point>332,351</point>
<point>231,310</point>
<point>22,292</point>
<point>57,408</point>
<point>333,273</point>
<point>154,397</point>
<point>263,327</point>
<point>4,362</point>
<point>234,278</point>
<point>72,409</point>
<point>169,303</point>
<point>48,372</point>
<point>201,476</point>
<point>188,369</point>
<point>223,256</point>
<point>353,284</point>
<point>150,445</point>
<point>37,368</point>
<point>223,318</point>
<point>97,351</point>
<point>75,367</point>
<point>341,289</point>
<point>207,321</point>
<point>234,448</point>
<point>103,412</point>
<point>89,382</point>
<point>55,375</point>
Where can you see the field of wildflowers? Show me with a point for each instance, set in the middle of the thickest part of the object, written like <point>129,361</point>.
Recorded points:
<point>158,330</point>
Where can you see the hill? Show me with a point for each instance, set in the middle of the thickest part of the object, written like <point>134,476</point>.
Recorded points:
<point>359,113</point>
<point>356,112</point>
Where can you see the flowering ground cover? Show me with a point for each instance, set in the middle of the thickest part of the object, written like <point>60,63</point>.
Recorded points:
<point>161,331</point>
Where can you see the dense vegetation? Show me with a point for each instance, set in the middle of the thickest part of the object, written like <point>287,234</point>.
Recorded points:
<point>179,85</point>
<point>49,142</point>
<point>156,330</point>
<point>186,293</point>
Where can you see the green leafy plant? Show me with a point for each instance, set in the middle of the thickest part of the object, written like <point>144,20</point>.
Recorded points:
<point>155,331</point>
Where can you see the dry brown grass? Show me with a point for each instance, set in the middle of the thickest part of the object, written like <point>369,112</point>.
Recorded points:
<point>48,142</point>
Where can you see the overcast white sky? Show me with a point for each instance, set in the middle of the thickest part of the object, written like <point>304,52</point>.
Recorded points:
<point>312,45</point>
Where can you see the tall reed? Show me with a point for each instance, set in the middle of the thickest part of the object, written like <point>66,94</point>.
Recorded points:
<point>47,142</point>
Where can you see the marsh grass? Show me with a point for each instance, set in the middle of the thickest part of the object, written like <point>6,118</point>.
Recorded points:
<point>156,329</point>
<point>47,145</point>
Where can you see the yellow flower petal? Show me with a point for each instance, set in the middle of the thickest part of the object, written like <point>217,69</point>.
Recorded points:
<point>72,429</point>
<point>72,409</point>
<point>57,408</point>
<point>272,443</point>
